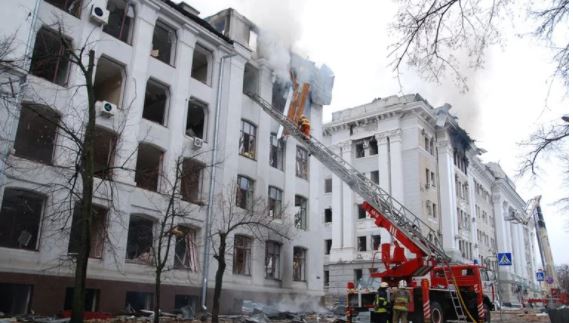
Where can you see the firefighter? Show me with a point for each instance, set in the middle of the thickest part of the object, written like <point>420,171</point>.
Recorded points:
<point>401,301</point>
<point>304,126</point>
<point>380,314</point>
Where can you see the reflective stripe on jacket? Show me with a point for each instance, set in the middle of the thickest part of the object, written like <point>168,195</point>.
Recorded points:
<point>381,304</point>
<point>401,300</point>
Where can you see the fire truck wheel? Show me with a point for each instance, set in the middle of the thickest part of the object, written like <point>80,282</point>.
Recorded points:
<point>436,313</point>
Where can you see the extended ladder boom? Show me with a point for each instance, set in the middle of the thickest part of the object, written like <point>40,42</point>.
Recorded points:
<point>397,214</point>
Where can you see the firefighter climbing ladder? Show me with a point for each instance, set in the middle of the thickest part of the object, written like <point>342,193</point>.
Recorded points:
<point>413,227</point>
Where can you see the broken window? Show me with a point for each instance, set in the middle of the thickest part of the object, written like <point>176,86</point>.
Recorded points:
<point>97,231</point>
<point>36,134</point>
<point>359,146</point>
<point>280,94</point>
<point>20,217</point>
<point>140,240</point>
<point>15,298</point>
<point>136,301</point>
<point>328,185</point>
<point>327,246</point>
<point>242,255</point>
<point>300,217</point>
<point>277,152</point>
<point>427,178</point>
<point>186,250</point>
<point>195,119</point>
<point>105,142</point>
<point>120,21</point>
<point>201,67</point>
<point>148,167</point>
<point>91,300</point>
<point>433,179</point>
<point>361,243</point>
<point>373,146</point>
<point>328,215</point>
<point>187,300</point>
<point>275,202</point>
<point>248,140</point>
<point>272,260</point>
<point>108,83</point>
<point>301,162</point>
<point>192,180</point>
<point>375,176</point>
<point>50,60</point>
<point>70,6</point>
<point>326,278</point>
<point>375,241</point>
<point>357,276</point>
<point>361,212</point>
<point>155,105</point>
<point>299,264</point>
<point>250,80</point>
<point>434,212</point>
<point>163,45</point>
<point>245,192</point>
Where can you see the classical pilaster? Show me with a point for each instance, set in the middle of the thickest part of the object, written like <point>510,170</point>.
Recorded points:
<point>448,198</point>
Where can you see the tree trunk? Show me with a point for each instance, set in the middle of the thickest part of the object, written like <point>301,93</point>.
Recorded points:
<point>157,295</point>
<point>85,214</point>
<point>219,277</point>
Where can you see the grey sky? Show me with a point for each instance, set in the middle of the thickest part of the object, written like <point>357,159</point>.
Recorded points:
<point>506,101</point>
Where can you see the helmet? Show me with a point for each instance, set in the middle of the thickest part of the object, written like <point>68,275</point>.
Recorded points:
<point>384,285</point>
<point>402,284</point>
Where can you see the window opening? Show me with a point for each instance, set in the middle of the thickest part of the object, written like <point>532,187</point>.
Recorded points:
<point>326,278</point>
<point>328,215</point>
<point>250,80</point>
<point>105,143</point>
<point>242,256</point>
<point>20,217</point>
<point>301,162</point>
<point>195,119</point>
<point>245,192</point>
<point>200,69</point>
<point>120,21</point>
<point>327,246</point>
<point>361,243</point>
<point>137,301</point>
<point>277,152</point>
<point>15,298</point>
<point>108,83</point>
<point>300,218</point>
<point>361,212</point>
<point>140,240</point>
<point>91,299</point>
<point>328,185</point>
<point>248,140</point>
<point>50,59</point>
<point>375,241</point>
<point>275,202</point>
<point>357,276</point>
<point>36,133</point>
<point>373,146</point>
<point>72,7</point>
<point>97,229</point>
<point>148,167</point>
<point>299,264</point>
<point>164,40</point>
<point>280,94</point>
<point>272,259</point>
<point>375,176</point>
<point>155,105</point>
<point>186,250</point>
<point>192,180</point>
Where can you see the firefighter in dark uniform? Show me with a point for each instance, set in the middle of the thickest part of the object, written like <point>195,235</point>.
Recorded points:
<point>382,305</point>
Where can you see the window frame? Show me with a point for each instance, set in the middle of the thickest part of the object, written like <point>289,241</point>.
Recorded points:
<point>249,150</point>
<point>277,147</point>
<point>172,32</point>
<point>242,243</point>
<point>249,193</point>
<point>275,202</point>
<point>273,253</point>
<point>302,163</point>
<point>37,62</point>
<point>38,219</point>
<point>301,217</point>
<point>301,277</point>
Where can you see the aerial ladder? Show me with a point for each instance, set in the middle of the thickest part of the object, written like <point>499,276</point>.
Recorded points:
<point>387,212</point>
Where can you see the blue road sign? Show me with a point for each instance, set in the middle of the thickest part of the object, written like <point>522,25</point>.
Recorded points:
<point>540,276</point>
<point>504,258</point>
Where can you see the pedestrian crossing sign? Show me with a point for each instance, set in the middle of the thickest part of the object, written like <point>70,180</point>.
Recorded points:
<point>540,276</point>
<point>504,258</point>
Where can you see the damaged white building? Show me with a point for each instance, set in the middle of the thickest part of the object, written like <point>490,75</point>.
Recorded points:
<point>169,85</point>
<point>422,157</point>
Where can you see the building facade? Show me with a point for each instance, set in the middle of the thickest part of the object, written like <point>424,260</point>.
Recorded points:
<point>170,88</point>
<point>423,158</point>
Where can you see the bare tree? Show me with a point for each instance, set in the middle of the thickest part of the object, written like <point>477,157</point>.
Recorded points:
<point>431,34</point>
<point>246,219</point>
<point>563,277</point>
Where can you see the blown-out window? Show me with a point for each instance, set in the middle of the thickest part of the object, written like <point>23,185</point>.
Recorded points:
<point>242,255</point>
<point>50,60</point>
<point>20,217</point>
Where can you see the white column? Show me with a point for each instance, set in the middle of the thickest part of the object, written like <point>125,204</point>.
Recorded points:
<point>396,176</point>
<point>343,235</point>
<point>448,198</point>
<point>383,167</point>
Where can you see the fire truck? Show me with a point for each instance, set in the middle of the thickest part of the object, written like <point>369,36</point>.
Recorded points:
<point>439,290</point>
